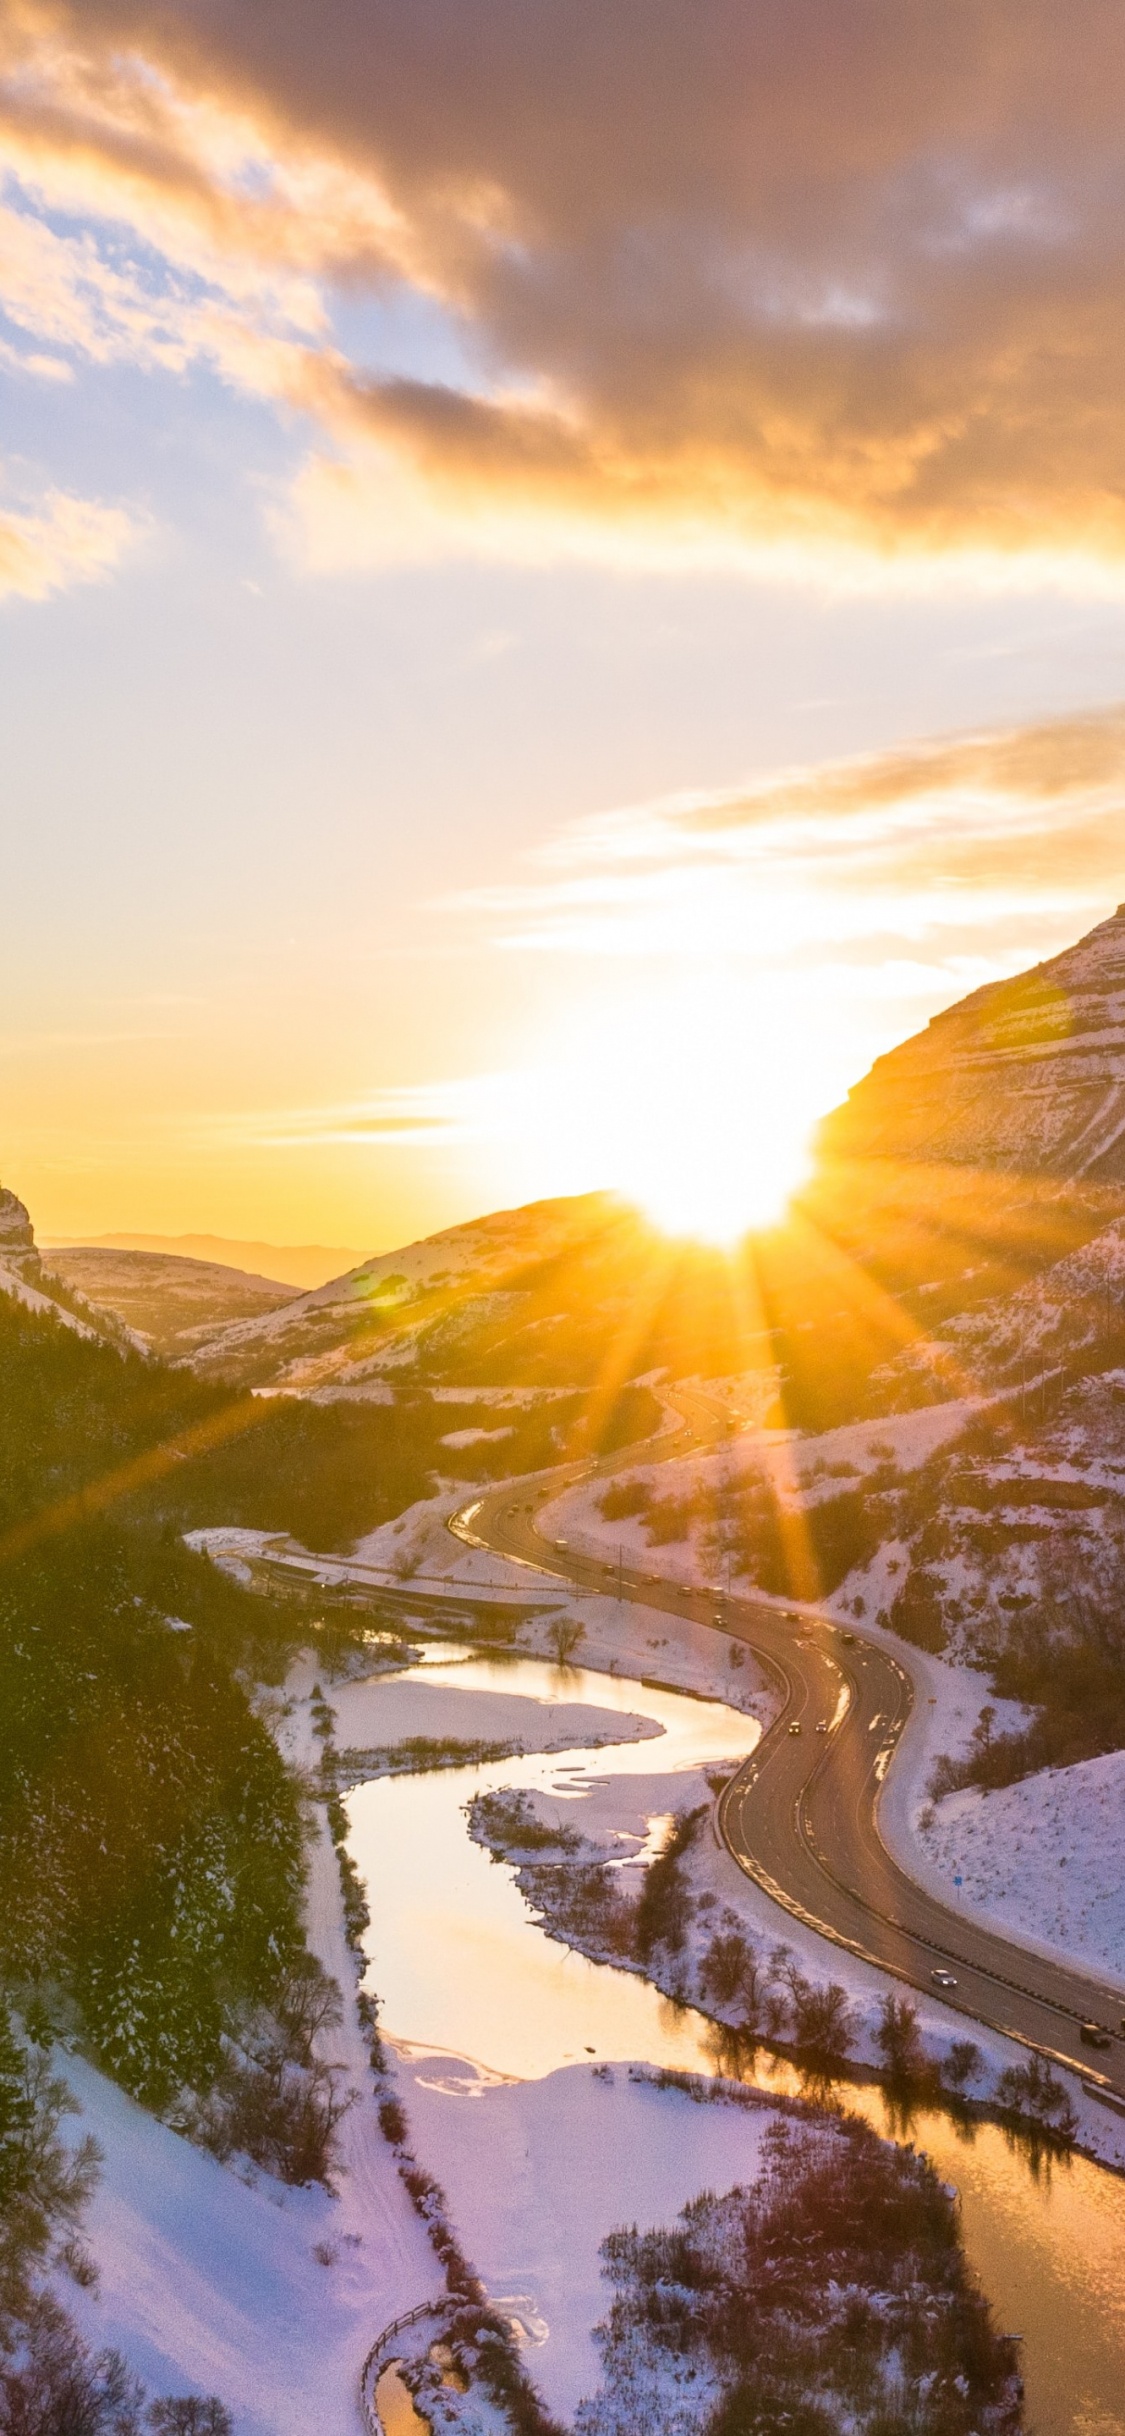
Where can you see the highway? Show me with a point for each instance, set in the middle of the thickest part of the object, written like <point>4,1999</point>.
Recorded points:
<point>802,1815</point>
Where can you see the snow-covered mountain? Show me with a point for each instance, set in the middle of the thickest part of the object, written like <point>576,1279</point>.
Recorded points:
<point>426,1299</point>
<point>1026,1076</point>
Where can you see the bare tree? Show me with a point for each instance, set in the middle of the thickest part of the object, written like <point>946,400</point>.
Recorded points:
<point>564,1634</point>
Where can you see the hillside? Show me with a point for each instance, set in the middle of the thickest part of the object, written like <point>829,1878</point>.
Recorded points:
<point>163,1298</point>
<point>577,1294</point>
<point>1024,1078</point>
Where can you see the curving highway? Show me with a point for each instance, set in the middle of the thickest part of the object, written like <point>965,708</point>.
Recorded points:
<point>802,1816</point>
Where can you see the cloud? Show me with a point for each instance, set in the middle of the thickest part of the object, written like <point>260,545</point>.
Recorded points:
<point>780,278</point>
<point>409,1116</point>
<point>60,542</point>
<point>962,846</point>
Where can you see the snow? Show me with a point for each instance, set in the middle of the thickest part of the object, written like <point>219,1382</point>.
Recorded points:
<point>538,2172</point>
<point>309,1338</point>
<point>419,1553</point>
<point>474,1437</point>
<point>1042,1860</point>
<point>15,1284</point>
<point>617,1815</point>
<point>210,2285</point>
<point>391,1709</point>
<point>798,1468</point>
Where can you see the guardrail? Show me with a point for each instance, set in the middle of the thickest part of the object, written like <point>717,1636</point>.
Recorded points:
<point>409,2317</point>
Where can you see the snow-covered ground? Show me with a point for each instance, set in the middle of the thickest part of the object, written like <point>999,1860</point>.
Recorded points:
<point>210,2285</point>
<point>538,2172</point>
<point>14,1283</point>
<point>796,1467</point>
<point>1044,1859</point>
<point>394,1709</point>
<point>619,1637</point>
<point>617,1817</point>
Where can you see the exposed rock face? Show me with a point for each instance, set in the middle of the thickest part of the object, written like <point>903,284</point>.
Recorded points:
<point>1026,1077</point>
<point>17,1235</point>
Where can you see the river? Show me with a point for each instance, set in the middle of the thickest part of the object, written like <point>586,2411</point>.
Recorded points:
<point>460,1966</point>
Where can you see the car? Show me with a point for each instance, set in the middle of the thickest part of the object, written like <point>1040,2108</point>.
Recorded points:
<point>1093,2035</point>
<point>794,1728</point>
<point>943,1979</point>
<point>848,1639</point>
<point>716,1620</point>
<point>822,1725</point>
<point>560,1543</point>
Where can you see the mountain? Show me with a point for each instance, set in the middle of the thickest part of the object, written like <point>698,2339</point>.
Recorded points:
<point>163,1298</point>
<point>496,1290</point>
<point>1024,1078</point>
<point>23,1277</point>
<point>297,1265</point>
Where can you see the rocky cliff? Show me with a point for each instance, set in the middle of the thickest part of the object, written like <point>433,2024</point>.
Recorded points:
<point>17,1236</point>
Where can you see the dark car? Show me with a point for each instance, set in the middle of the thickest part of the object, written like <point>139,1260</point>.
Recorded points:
<point>1093,2035</point>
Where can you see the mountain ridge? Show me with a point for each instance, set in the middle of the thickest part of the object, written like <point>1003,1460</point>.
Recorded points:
<point>1024,1076</point>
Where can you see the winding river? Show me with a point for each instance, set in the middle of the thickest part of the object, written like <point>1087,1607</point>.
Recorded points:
<point>460,1966</point>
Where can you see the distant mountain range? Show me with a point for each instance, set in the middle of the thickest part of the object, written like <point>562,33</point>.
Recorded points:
<point>299,1265</point>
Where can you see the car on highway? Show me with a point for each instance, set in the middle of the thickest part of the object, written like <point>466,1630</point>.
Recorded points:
<point>794,1728</point>
<point>848,1639</point>
<point>822,1725</point>
<point>943,1979</point>
<point>1093,2035</point>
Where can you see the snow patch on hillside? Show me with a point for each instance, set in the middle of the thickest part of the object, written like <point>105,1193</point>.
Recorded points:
<point>800,1470</point>
<point>15,1284</point>
<point>209,2284</point>
<point>1043,1859</point>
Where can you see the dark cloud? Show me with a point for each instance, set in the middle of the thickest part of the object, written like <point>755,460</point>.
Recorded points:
<point>809,269</point>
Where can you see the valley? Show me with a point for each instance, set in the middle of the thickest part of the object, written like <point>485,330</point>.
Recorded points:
<point>549,1511</point>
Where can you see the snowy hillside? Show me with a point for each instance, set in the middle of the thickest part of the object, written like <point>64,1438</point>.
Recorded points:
<point>1026,1076</point>
<point>24,1277</point>
<point>163,1298</point>
<point>349,1331</point>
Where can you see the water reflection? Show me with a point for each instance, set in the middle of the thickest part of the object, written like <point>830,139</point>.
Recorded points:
<point>394,2402</point>
<point>462,1968</point>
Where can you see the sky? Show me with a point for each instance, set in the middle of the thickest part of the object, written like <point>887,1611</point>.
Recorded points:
<point>562,584</point>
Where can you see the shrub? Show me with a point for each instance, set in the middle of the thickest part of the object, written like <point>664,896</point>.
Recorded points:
<point>624,1498</point>
<point>899,2041</point>
<point>392,2121</point>
<point>665,1905</point>
<point>1034,2094</point>
<point>822,2020</point>
<point>191,2415</point>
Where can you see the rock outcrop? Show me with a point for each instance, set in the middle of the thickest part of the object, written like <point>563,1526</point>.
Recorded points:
<point>17,1236</point>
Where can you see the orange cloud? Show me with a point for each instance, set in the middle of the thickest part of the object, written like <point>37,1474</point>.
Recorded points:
<point>737,277</point>
<point>931,850</point>
<point>62,541</point>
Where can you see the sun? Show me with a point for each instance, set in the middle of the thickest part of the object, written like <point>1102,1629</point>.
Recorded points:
<point>715,1157</point>
<point>689,1101</point>
<point>717,1199</point>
